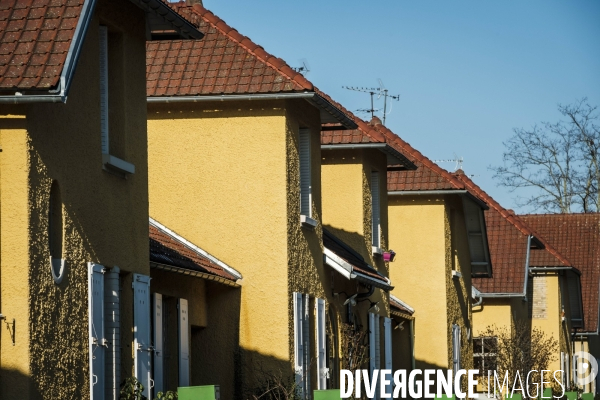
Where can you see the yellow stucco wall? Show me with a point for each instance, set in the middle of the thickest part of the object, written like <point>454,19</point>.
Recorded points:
<point>429,237</point>
<point>105,217</point>
<point>225,176</point>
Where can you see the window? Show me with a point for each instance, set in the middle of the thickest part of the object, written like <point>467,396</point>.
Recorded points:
<point>484,354</point>
<point>302,355</point>
<point>305,179</point>
<point>55,233</point>
<point>375,212</point>
<point>112,104</point>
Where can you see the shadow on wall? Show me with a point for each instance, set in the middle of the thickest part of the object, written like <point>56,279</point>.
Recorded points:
<point>217,358</point>
<point>19,383</point>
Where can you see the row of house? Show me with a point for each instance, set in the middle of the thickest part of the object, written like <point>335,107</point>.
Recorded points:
<point>180,206</point>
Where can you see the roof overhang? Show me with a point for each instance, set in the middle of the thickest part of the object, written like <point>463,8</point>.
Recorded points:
<point>463,192</point>
<point>161,17</point>
<point>329,113</point>
<point>196,274</point>
<point>347,270</point>
<point>156,10</point>
<point>394,157</point>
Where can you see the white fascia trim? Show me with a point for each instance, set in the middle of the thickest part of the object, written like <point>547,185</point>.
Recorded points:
<point>387,285</point>
<point>195,248</point>
<point>337,263</point>
<point>397,300</point>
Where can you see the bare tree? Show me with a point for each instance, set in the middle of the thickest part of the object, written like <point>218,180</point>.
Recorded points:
<point>559,160</point>
<point>518,349</point>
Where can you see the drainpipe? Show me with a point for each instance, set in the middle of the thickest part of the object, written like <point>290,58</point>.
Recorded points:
<point>412,342</point>
<point>113,332</point>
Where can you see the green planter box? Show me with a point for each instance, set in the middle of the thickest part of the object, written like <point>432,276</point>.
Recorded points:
<point>587,396</point>
<point>571,395</point>
<point>332,394</point>
<point>211,392</point>
<point>547,394</point>
<point>516,396</point>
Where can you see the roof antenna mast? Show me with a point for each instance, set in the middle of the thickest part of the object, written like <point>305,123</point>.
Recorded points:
<point>380,91</point>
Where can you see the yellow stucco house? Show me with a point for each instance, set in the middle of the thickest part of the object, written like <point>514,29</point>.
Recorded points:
<point>532,285</point>
<point>73,194</point>
<point>235,165</point>
<point>577,237</point>
<point>437,230</point>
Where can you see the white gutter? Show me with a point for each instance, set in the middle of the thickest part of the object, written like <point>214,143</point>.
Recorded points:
<point>311,97</point>
<point>463,192</point>
<point>397,300</point>
<point>347,270</point>
<point>195,248</point>
<point>59,95</point>
<point>524,294</point>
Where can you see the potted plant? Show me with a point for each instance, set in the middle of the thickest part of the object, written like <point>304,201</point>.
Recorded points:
<point>388,256</point>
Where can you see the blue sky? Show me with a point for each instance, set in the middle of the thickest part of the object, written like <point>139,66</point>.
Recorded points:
<point>468,72</point>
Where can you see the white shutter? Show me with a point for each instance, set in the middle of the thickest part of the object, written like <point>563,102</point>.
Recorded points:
<point>322,371</point>
<point>455,348</point>
<point>374,347</point>
<point>96,330</point>
<point>158,344</point>
<point>305,173</point>
<point>387,334</point>
<point>112,329</point>
<point>299,343</point>
<point>306,338</point>
<point>103,36</point>
<point>141,331</point>
<point>375,210</point>
<point>184,344</point>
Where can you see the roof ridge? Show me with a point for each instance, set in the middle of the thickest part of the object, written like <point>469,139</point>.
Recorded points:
<point>405,147</point>
<point>256,50</point>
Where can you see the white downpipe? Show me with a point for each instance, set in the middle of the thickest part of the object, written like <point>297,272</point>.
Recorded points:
<point>112,325</point>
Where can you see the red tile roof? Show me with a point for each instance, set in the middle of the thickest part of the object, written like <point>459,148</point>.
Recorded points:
<point>578,237</point>
<point>224,62</point>
<point>507,240</point>
<point>168,249</point>
<point>35,37</point>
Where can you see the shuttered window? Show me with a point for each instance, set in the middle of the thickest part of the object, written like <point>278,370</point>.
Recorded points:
<point>159,360</point>
<point>141,330</point>
<point>305,173</point>
<point>112,329</point>
<point>103,37</point>
<point>302,356</point>
<point>374,348</point>
<point>96,331</point>
<point>375,209</point>
<point>322,371</point>
<point>184,343</point>
<point>387,334</point>
<point>478,248</point>
<point>455,348</point>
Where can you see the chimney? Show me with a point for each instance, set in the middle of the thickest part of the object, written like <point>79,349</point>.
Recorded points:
<point>192,2</point>
<point>375,121</point>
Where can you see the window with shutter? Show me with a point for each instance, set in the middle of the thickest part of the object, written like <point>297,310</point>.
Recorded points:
<point>305,173</point>
<point>306,338</point>
<point>112,130</point>
<point>184,343</point>
<point>96,330</point>
<point>299,343</point>
<point>322,371</point>
<point>112,329</point>
<point>478,247</point>
<point>374,348</point>
<point>375,210</point>
<point>141,331</point>
<point>158,361</point>
<point>387,334</point>
<point>455,348</point>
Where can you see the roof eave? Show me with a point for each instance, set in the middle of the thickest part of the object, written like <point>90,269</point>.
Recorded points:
<point>394,157</point>
<point>161,11</point>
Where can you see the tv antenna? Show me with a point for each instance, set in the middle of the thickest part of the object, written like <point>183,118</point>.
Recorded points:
<point>380,91</point>
<point>458,162</point>
<point>383,92</point>
<point>304,69</point>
